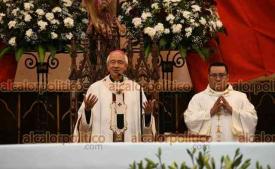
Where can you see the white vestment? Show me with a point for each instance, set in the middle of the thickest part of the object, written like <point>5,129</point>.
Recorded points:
<point>222,126</point>
<point>99,127</point>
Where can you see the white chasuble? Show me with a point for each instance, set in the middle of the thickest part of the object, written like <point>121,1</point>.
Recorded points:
<point>102,122</point>
<point>222,126</point>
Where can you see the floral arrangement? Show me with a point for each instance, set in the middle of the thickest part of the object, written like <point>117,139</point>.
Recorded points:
<point>42,25</point>
<point>182,25</point>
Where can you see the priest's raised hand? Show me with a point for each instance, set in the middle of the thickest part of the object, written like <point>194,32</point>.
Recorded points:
<point>89,102</point>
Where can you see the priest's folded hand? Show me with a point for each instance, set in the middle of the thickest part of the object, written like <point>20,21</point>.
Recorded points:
<point>90,101</point>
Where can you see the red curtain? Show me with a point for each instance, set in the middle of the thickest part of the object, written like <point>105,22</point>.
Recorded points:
<point>8,67</point>
<point>249,47</point>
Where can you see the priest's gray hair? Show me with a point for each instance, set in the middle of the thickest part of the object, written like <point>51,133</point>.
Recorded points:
<point>118,51</point>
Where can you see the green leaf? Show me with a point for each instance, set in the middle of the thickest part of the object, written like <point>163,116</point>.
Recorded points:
<point>238,161</point>
<point>213,163</point>
<point>52,50</point>
<point>246,164</point>
<point>41,53</point>
<point>147,50</point>
<point>19,52</point>
<point>203,52</point>
<point>4,51</point>
<point>162,43</point>
<point>183,52</point>
<point>237,152</point>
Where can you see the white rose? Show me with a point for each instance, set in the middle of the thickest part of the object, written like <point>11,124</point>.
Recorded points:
<point>54,21</point>
<point>155,6</point>
<point>150,31</point>
<point>219,24</point>
<point>50,16</point>
<point>136,22</point>
<point>159,28</point>
<point>11,24</point>
<point>56,9</point>
<point>28,6</point>
<point>15,11</point>
<point>146,15</point>
<point>128,10</point>
<point>176,28</point>
<point>12,41</point>
<point>186,14</point>
<point>42,25</point>
<point>1,16</point>
<point>188,31</point>
<point>27,18</point>
<point>170,18</point>
<point>86,21</point>
<point>69,36</point>
<point>67,3</point>
<point>187,34</point>
<point>124,6</point>
<point>68,22</point>
<point>40,12</point>
<point>54,35</point>
<point>196,8</point>
<point>202,21</point>
<point>29,33</point>
<point>166,31</point>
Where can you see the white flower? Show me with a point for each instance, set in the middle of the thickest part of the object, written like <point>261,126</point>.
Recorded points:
<point>166,31</point>
<point>128,10</point>
<point>40,12</point>
<point>55,21</point>
<point>28,6</point>
<point>68,22</point>
<point>67,3</point>
<point>12,41</point>
<point>56,9</point>
<point>85,21</point>
<point>11,24</point>
<point>196,8</point>
<point>54,35</point>
<point>42,25</point>
<point>15,11</point>
<point>145,15</point>
<point>69,36</point>
<point>1,16</point>
<point>50,16</point>
<point>124,6</point>
<point>202,21</point>
<point>186,14</point>
<point>136,22</point>
<point>29,33</point>
<point>155,6</point>
<point>170,18</point>
<point>150,31</point>
<point>159,28</point>
<point>188,31</point>
<point>219,24</point>
<point>27,17</point>
<point>176,28</point>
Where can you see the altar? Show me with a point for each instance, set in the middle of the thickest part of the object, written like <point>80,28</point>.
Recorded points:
<point>121,155</point>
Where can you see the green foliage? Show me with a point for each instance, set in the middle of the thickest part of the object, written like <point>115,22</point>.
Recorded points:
<point>200,160</point>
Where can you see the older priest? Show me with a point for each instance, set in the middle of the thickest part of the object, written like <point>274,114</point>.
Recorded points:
<point>112,108</point>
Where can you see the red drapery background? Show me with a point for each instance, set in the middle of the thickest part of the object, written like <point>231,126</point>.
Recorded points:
<point>249,47</point>
<point>8,66</point>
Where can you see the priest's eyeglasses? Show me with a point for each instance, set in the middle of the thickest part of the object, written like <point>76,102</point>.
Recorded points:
<point>216,75</point>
